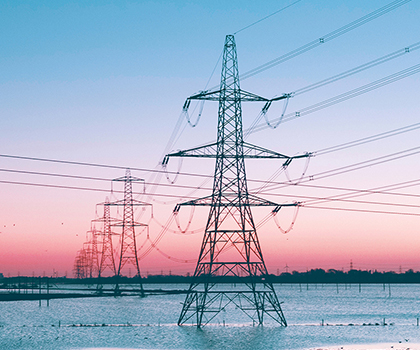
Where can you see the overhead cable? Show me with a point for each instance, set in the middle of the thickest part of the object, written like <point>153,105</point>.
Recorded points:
<point>358,69</point>
<point>352,167</point>
<point>362,210</point>
<point>79,177</point>
<point>86,188</point>
<point>342,97</point>
<point>325,38</point>
<point>313,200</point>
<point>393,187</point>
<point>97,165</point>
<point>377,190</point>
<point>368,139</point>
<point>327,173</point>
<point>264,18</point>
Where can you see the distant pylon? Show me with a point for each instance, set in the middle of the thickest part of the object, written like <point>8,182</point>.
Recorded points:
<point>230,223</point>
<point>92,252</point>
<point>128,243</point>
<point>81,264</point>
<point>88,259</point>
<point>107,259</point>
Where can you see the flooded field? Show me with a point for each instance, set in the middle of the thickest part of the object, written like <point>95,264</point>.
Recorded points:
<point>318,316</point>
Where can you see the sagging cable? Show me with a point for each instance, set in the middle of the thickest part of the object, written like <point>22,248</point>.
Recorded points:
<point>187,115</point>
<point>305,169</point>
<point>164,166</point>
<point>192,232</point>
<point>274,214</point>
<point>176,211</point>
<point>280,119</point>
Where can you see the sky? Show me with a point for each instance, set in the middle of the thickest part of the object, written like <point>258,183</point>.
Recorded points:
<point>105,81</point>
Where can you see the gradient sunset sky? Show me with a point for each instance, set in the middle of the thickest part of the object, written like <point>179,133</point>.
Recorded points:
<point>104,82</point>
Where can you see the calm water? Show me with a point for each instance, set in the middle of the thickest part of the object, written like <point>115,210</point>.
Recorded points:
<point>150,323</point>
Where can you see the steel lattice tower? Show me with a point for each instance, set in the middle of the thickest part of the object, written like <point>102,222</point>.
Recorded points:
<point>87,248</point>
<point>80,265</point>
<point>94,254</point>
<point>107,260</point>
<point>128,243</point>
<point>230,225</point>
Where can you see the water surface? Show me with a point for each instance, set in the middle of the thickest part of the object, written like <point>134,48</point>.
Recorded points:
<point>349,315</point>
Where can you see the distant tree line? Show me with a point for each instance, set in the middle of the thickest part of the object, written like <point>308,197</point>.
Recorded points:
<point>310,276</point>
<point>352,276</point>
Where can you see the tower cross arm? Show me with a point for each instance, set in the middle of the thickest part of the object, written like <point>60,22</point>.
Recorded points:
<point>249,151</point>
<point>231,201</point>
<point>205,151</point>
<point>203,201</point>
<point>244,96</point>
<point>122,223</point>
<point>261,202</point>
<point>253,151</point>
<point>128,178</point>
<point>134,202</point>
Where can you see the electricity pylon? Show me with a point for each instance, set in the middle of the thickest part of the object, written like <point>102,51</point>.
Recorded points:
<point>107,259</point>
<point>128,243</point>
<point>80,265</point>
<point>93,252</point>
<point>230,223</point>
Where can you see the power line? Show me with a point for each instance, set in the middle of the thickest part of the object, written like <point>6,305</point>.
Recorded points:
<point>323,199</point>
<point>87,189</point>
<point>362,210</point>
<point>79,177</point>
<point>317,200</point>
<point>322,151</point>
<point>264,18</point>
<point>364,164</point>
<point>358,69</point>
<point>368,139</point>
<point>345,74</point>
<point>332,79</point>
<point>357,193</point>
<point>290,116</point>
<point>351,167</point>
<point>340,98</point>
<point>273,185</point>
<point>377,190</point>
<point>176,134</point>
<point>338,147</point>
<point>67,176</point>
<point>389,187</point>
<point>97,165</point>
<point>328,37</point>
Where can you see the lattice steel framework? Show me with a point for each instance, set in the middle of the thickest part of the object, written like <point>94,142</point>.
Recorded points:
<point>230,225</point>
<point>80,268</point>
<point>93,252</point>
<point>107,259</point>
<point>128,242</point>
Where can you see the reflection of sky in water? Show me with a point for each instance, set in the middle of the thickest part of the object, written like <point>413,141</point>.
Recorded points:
<point>150,323</point>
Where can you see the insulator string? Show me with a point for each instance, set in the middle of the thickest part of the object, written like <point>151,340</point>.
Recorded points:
<point>280,119</point>
<point>176,174</point>
<point>292,223</point>
<point>305,169</point>
<point>192,210</point>
<point>200,112</point>
<point>192,232</point>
